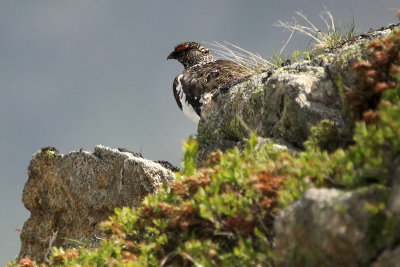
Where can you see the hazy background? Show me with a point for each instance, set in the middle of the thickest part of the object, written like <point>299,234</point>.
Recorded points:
<point>74,74</point>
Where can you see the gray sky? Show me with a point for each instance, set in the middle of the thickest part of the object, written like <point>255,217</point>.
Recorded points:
<point>74,74</point>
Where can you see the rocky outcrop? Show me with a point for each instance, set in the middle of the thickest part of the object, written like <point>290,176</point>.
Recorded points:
<point>328,227</point>
<point>331,227</point>
<point>68,195</point>
<point>283,103</point>
<point>390,257</point>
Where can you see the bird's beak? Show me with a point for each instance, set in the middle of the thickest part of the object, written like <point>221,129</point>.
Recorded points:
<point>171,56</point>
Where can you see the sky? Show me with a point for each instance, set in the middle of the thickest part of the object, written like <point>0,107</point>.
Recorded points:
<point>78,73</point>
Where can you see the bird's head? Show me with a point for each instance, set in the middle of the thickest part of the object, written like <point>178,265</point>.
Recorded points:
<point>190,54</point>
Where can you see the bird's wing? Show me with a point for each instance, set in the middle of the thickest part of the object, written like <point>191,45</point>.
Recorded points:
<point>198,80</point>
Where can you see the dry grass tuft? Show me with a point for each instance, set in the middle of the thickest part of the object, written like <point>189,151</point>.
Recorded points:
<point>247,59</point>
<point>328,38</point>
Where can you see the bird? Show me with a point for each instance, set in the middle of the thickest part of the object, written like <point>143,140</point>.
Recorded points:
<point>202,76</point>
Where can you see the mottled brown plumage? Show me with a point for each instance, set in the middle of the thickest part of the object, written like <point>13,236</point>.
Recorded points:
<point>202,76</point>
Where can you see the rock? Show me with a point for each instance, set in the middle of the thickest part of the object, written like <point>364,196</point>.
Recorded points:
<point>68,195</point>
<point>327,227</point>
<point>394,197</point>
<point>389,258</point>
<point>283,103</point>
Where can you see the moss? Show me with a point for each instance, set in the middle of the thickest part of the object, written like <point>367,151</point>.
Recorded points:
<point>383,225</point>
<point>286,103</point>
<point>204,136</point>
<point>280,70</point>
<point>237,127</point>
<point>324,136</point>
<point>383,228</point>
<point>234,129</point>
<point>300,256</point>
<point>293,251</point>
<point>50,154</point>
<point>254,102</point>
<point>341,208</point>
<point>340,86</point>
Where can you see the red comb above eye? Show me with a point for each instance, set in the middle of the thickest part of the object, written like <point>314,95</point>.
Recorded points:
<point>179,48</point>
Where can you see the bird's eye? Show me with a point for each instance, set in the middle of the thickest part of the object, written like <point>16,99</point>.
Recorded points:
<point>181,47</point>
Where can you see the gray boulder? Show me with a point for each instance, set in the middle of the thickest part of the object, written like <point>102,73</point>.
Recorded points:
<point>328,227</point>
<point>68,195</point>
<point>390,257</point>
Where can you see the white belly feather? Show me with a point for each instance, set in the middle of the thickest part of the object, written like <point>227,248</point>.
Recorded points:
<point>187,109</point>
